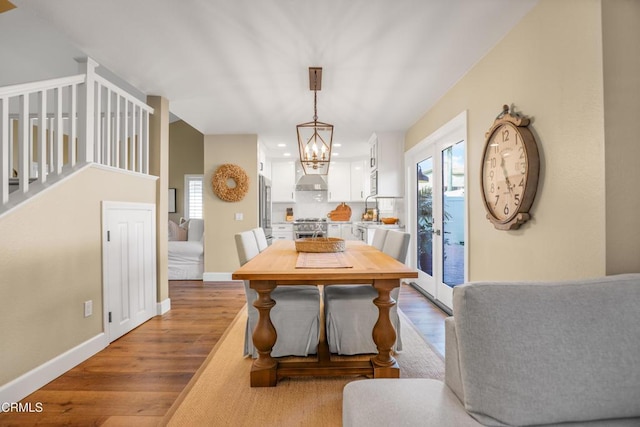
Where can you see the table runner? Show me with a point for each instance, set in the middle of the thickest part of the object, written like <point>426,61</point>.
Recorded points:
<point>322,260</point>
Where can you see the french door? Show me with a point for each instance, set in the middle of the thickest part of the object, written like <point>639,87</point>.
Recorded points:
<point>437,217</point>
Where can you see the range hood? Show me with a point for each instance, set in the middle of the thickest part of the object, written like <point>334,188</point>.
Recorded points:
<point>311,183</point>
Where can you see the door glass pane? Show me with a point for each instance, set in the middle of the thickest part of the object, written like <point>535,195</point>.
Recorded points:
<point>453,226</point>
<point>425,215</point>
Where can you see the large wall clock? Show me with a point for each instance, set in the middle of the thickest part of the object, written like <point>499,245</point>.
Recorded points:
<point>510,168</point>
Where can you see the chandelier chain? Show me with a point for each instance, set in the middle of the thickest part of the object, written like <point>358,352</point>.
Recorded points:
<point>315,96</point>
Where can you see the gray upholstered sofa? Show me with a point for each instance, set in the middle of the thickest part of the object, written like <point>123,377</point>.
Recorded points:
<point>523,354</point>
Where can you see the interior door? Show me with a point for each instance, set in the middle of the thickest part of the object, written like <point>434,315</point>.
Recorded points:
<point>129,266</point>
<point>436,177</point>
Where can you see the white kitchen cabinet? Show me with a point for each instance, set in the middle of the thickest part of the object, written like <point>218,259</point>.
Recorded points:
<point>373,152</point>
<point>342,230</point>
<point>338,182</point>
<point>282,232</point>
<point>264,165</point>
<point>386,163</point>
<point>283,181</point>
<point>334,230</point>
<point>360,180</point>
<point>347,232</point>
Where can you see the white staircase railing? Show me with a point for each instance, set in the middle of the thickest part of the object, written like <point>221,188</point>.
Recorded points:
<point>48,128</point>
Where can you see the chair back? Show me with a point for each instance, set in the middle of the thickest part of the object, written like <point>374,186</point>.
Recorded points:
<point>247,246</point>
<point>396,245</point>
<point>378,238</point>
<point>261,238</point>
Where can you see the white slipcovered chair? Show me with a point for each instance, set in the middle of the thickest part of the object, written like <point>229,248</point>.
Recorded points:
<point>261,238</point>
<point>296,315</point>
<point>349,310</point>
<point>378,238</point>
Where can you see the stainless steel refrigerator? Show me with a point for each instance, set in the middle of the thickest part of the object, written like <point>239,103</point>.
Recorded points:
<point>265,206</point>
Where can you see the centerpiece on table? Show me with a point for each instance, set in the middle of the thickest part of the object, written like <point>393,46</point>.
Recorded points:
<point>320,244</point>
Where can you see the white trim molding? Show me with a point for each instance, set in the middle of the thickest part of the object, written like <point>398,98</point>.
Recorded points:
<point>163,306</point>
<point>24,385</point>
<point>216,277</point>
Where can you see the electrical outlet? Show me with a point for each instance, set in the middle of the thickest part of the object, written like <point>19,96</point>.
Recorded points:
<point>239,216</point>
<point>88,308</point>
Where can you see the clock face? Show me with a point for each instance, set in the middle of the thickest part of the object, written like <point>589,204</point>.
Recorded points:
<point>505,172</point>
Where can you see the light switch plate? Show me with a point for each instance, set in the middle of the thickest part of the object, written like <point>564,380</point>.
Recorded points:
<point>88,308</point>
<point>239,216</point>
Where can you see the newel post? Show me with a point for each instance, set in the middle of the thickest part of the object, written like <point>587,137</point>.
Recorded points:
<point>86,110</point>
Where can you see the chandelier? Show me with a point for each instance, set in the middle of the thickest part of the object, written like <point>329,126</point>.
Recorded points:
<point>315,138</point>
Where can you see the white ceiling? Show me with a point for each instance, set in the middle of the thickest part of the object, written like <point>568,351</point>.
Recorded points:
<point>241,66</point>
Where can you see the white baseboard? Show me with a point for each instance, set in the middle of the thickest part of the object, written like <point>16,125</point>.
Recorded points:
<point>163,306</point>
<point>21,387</point>
<point>216,277</point>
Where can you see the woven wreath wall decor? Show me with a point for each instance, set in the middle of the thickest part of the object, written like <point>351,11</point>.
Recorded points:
<point>220,183</point>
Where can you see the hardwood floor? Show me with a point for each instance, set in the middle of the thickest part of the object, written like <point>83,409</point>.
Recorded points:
<point>428,318</point>
<point>136,379</point>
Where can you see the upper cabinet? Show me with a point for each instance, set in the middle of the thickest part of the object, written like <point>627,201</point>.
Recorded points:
<point>373,152</point>
<point>360,177</point>
<point>387,174</point>
<point>283,181</point>
<point>264,165</point>
<point>348,181</point>
<point>338,182</point>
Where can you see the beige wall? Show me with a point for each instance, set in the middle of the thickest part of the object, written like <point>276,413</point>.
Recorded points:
<point>550,68</point>
<point>51,262</point>
<point>186,157</point>
<point>621,32</point>
<point>220,254</point>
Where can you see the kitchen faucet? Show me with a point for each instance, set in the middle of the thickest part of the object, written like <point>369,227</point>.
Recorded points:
<point>366,208</point>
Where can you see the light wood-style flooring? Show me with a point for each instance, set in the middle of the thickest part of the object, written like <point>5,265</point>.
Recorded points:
<point>136,379</point>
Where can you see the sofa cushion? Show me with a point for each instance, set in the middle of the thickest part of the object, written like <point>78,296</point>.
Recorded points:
<point>176,233</point>
<point>196,230</point>
<point>402,402</point>
<point>540,353</point>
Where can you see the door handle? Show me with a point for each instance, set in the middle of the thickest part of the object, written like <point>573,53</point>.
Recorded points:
<point>436,232</point>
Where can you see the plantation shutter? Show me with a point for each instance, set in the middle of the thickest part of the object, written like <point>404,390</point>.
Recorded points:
<point>193,196</point>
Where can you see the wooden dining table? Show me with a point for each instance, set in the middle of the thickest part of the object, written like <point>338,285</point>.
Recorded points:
<point>281,265</point>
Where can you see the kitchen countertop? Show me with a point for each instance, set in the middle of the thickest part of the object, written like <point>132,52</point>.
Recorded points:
<point>375,224</point>
<point>367,224</point>
<point>328,222</point>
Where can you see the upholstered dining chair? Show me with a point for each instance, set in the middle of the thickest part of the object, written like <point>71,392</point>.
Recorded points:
<point>349,310</point>
<point>261,239</point>
<point>378,238</point>
<point>296,315</point>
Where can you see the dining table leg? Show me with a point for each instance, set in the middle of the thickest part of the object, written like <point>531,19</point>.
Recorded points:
<point>264,368</point>
<point>384,334</point>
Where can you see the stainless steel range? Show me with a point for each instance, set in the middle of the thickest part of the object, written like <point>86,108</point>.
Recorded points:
<point>310,227</point>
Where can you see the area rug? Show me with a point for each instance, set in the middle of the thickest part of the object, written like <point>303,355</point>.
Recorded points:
<point>220,395</point>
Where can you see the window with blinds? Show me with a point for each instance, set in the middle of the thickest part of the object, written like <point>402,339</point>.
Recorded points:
<point>193,196</point>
